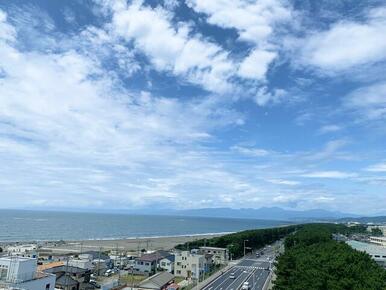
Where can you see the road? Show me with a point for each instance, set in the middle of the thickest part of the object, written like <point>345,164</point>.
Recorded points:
<point>250,269</point>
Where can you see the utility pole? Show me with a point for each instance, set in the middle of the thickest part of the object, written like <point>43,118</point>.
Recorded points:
<point>244,246</point>
<point>99,261</point>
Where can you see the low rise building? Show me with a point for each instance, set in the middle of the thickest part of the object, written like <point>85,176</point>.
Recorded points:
<point>21,273</point>
<point>220,256</point>
<point>27,250</point>
<point>381,241</point>
<point>167,264</point>
<point>159,281</point>
<point>81,263</point>
<point>148,263</point>
<point>378,253</point>
<point>70,278</point>
<point>189,265</point>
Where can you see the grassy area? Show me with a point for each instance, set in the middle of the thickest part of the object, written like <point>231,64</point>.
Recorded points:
<point>178,279</point>
<point>132,279</point>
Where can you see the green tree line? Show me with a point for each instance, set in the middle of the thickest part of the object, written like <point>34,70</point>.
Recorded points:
<point>314,261</point>
<point>235,242</point>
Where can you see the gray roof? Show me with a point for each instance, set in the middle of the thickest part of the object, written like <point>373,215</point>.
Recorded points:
<point>66,280</point>
<point>171,258</point>
<point>156,256</point>
<point>68,269</point>
<point>160,279</point>
<point>96,255</point>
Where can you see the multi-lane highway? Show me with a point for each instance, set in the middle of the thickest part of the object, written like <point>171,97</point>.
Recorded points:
<point>253,270</point>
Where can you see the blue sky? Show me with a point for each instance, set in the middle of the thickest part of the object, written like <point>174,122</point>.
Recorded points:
<point>192,104</point>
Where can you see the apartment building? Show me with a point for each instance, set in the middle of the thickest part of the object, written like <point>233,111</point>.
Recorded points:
<point>21,273</point>
<point>381,241</point>
<point>189,265</point>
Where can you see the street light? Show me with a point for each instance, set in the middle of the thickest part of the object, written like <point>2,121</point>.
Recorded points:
<point>244,245</point>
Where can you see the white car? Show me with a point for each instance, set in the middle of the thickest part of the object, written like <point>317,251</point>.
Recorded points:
<point>232,276</point>
<point>245,286</point>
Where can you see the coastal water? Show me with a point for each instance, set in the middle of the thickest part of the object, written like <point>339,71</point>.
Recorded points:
<point>17,225</point>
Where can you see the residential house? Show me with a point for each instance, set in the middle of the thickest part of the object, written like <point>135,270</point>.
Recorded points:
<point>167,264</point>
<point>21,273</point>
<point>159,281</point>
<point>70,278</point>
<point>220,255</point>
<point>147,263</point>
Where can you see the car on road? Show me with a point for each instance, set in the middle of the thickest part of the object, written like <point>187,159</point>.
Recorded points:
<point>245,286</point>
<point>232,276</point>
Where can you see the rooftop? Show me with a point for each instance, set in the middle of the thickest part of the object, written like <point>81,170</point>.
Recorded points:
<point>213,248</point>
<point>160,279</point>
<point>158,255</point>
<point>50,265</point>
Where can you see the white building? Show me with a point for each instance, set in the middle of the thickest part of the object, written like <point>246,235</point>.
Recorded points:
<point>378,253</point>
<point>381,241</point>
<point>21,272</point>
<point>81,263</point>
<point>28,250</point>
<point>167,264</point>
<point>189,265</point>
<point>220,255</point>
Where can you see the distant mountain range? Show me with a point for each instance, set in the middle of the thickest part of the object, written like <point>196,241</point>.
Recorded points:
<point>263,213</point>
<point>266,213</point>
<point>364,220</point>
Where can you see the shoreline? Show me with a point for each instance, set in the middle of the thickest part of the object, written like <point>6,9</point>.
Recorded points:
<point>131,245</point>
<point>34,241</point>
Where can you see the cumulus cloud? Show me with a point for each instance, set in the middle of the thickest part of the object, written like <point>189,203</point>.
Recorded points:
<point>67,122</point>
<point>255,65</point>
<point>174,47</point>
<point>347,44</point>
<point>255,23</point>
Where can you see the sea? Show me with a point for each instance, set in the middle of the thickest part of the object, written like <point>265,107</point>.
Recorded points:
<point>23,225</point>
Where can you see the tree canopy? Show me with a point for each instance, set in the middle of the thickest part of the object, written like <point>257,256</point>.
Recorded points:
<point>314,261</point>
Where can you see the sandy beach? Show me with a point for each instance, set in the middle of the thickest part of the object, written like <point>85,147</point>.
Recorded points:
<point>131,245</point>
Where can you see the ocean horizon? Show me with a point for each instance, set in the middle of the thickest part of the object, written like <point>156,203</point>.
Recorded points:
<point>31,225</point>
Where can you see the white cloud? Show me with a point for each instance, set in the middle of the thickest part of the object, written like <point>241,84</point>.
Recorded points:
<point>255,65</point>
<point>379,167</point>
<point>256,152</point>
<point>347,44</point>
<point>255,23</point>
<point>329,174</point>
<point>66,123</point>
<point>263,96</point>
<point>330,150</point>
<point>368,101</point>
<point>174,47</point>
<point>330,128</point>
<point>284,182</point>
